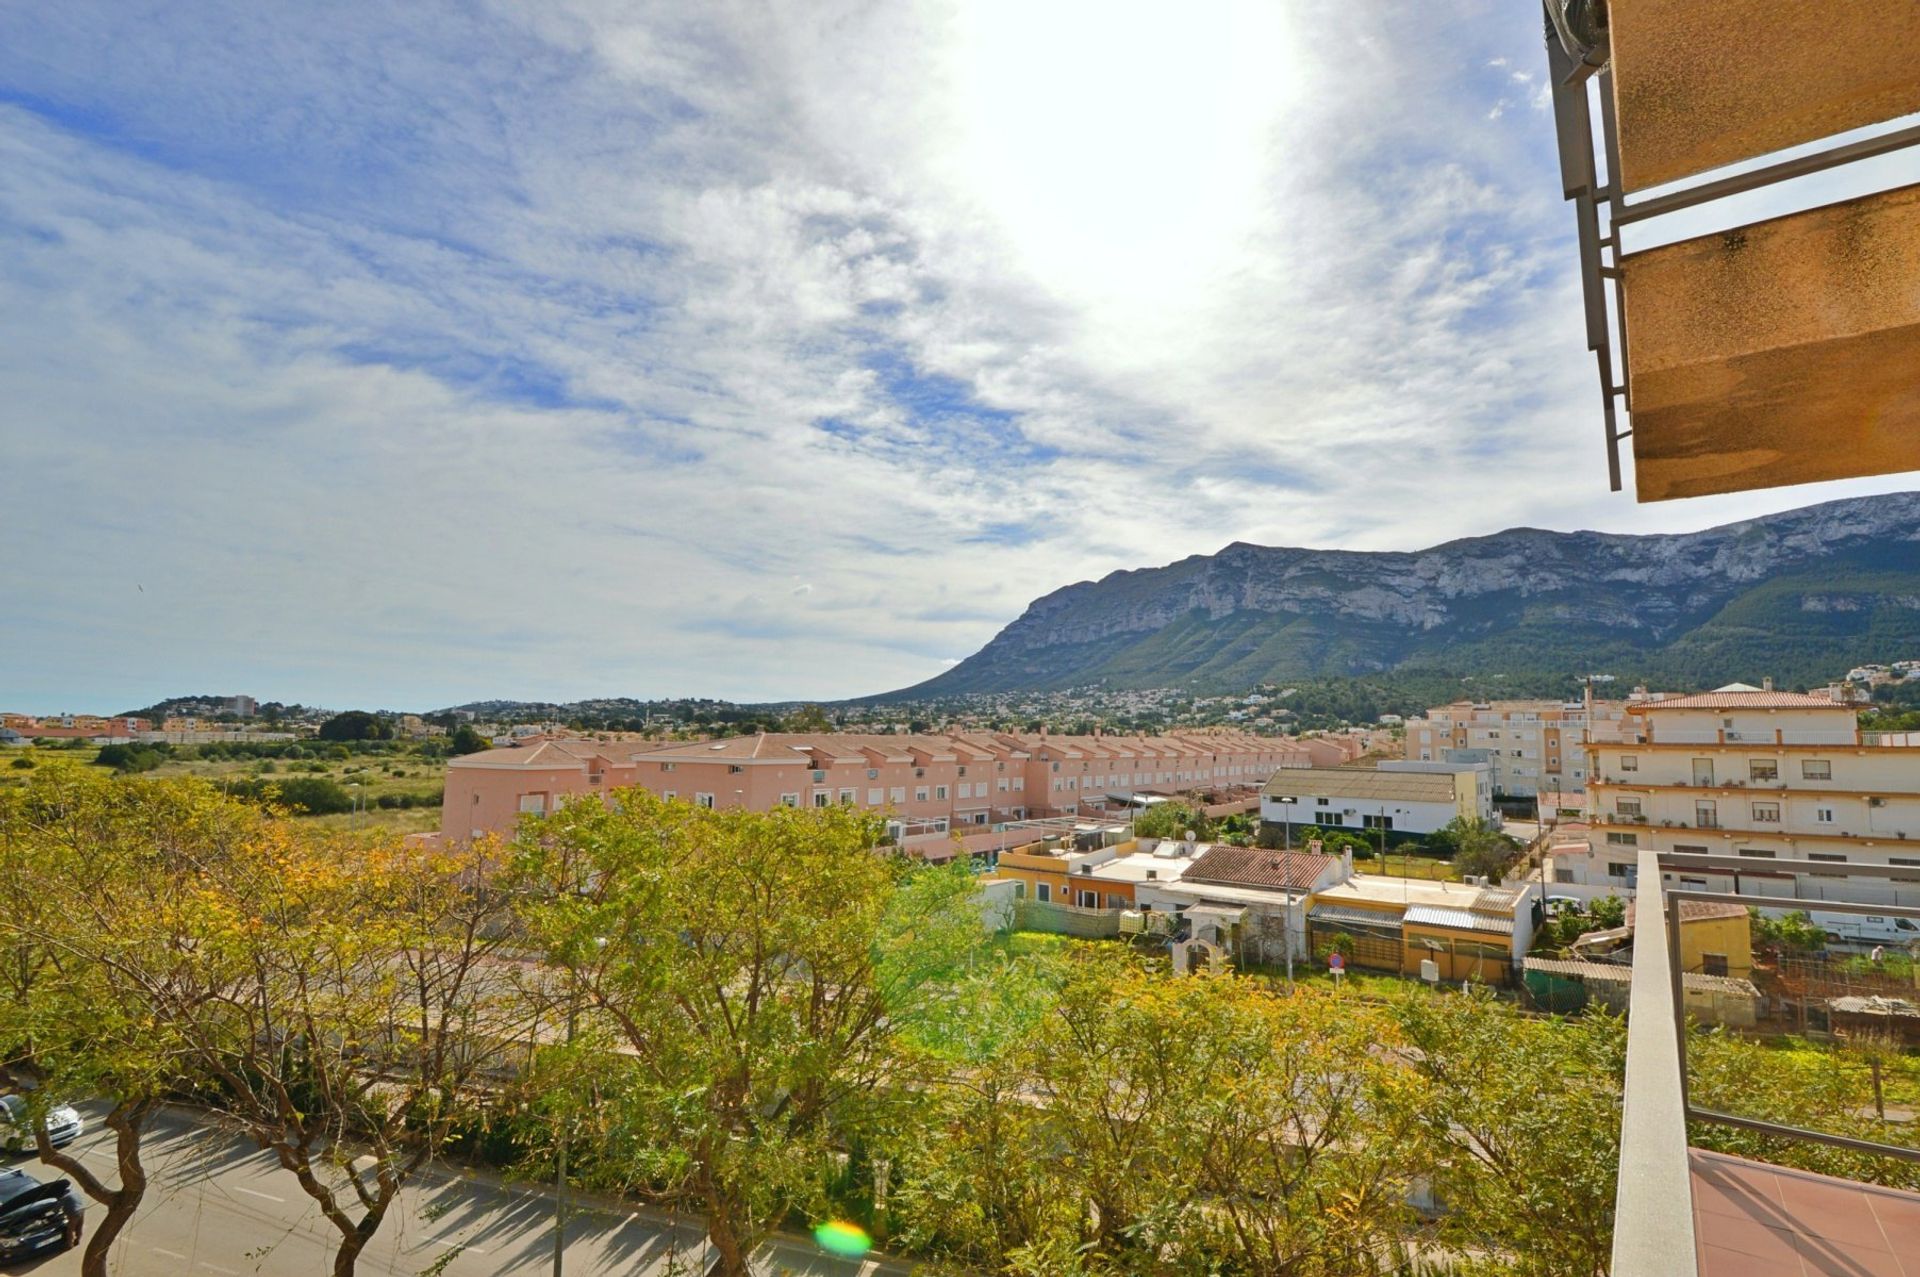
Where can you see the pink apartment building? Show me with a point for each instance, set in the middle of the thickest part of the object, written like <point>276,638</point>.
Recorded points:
<point>925,784</point>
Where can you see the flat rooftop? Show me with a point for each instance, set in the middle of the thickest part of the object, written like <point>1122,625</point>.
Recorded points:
<point>1751,1219</point>
<point>1379,891</point>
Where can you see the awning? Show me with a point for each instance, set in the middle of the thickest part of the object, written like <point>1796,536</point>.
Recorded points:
<point>1335,915</point>
<point>1458,919</point>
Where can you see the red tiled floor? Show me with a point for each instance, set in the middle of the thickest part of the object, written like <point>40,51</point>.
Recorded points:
<point>1755,1220</point>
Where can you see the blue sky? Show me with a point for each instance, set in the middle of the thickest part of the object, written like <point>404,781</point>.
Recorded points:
<point>408,354</point>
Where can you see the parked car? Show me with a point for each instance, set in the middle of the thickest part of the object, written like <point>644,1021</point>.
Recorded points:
<point>36,1218</point>
<point>16,1134</point>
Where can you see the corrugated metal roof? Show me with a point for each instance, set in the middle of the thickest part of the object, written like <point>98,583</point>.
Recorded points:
<point>1457,919</point>
<point>1361,784</point>
<point>1609,973</point>
<point>1364,917</point>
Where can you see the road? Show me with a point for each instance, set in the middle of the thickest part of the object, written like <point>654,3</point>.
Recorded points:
<point>216,1207</point>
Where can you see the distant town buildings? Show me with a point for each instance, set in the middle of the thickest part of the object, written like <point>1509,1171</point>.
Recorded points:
<point>1531,746</point>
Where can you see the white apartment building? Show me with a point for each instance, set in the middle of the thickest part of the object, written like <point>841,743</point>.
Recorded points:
<point>1757,774</point>
<point>1531,746</point>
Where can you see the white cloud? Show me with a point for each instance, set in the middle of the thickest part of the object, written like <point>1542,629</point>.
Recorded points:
<point>406,356</point>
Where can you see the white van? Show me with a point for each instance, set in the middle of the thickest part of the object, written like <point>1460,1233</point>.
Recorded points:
<point>1867,928</point>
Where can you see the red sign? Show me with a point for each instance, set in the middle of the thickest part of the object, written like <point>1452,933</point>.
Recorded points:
<point>1336,962</point>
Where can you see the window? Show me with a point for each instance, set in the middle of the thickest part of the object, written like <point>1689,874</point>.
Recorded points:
<point>1019,890</point>
<point>534,803</point>
<point>667,767</point>
<point>1763,769</point>
<point>1629,762</point>
<point>1706,815</point>
<point>1766,813</point>
<point>822,797</point>
<point>1618,838</point>
<point>1615,869</point>
<point>1629,807</point>
<point>940,793</point>
<point>1758,853</point>
<point>1688,850</point>
<point>1829,857</point>
<point>1319,802</point>
<point>670,795</point>
<point>847,796</point>
<point>789,800</point>
<point>920,793</point>
<point>734,769</point>
<point>1908,861</point>
<point>1823,815</point>
<point>1042,892</point>
<point>703,800</point>
<point>1089,900</point>
<point>1003,784</point>
<point>875,797</point>
<point>1816,769</point>
<point>1713,963</point>
<point>1019,783</point>
<point>898,794</point>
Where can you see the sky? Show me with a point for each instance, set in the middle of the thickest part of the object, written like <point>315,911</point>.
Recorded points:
<point>404,355</point>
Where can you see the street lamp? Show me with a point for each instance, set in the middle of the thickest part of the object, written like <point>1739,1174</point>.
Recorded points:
<point>1287,802</point>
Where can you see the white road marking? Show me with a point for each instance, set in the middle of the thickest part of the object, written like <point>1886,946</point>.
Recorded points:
<point>214,1268</point>
<point>170,1254</point>
<point>254,1192</point>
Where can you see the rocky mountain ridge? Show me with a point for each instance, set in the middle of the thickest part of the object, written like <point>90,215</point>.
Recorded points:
<point>1838,579</point>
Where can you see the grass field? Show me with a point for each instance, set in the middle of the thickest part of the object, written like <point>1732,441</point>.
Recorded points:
<point>377,775</point>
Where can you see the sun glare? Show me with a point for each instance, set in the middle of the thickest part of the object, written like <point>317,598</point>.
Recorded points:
<point>1123,149</point>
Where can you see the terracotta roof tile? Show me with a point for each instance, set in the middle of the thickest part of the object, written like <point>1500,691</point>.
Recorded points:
<point>1255,867</point>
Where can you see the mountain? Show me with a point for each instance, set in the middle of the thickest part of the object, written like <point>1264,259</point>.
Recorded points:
<point>1802,596</point>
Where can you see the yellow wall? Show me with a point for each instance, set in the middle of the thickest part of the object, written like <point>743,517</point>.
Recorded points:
<point>1732,935</point>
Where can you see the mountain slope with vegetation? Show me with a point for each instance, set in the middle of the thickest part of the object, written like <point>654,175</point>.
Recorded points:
<point>1801,596</point>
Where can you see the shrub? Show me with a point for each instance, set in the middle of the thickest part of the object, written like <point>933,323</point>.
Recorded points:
<point>23,763</point>
<point>315,796</point>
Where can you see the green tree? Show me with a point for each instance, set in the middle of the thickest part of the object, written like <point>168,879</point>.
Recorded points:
<point>1476,848</point>
<point>343,997</point>
<point>1793,933</point>
<point>97,879</point>
<point>355,724</point>
<point>808,718</point>
<point>1171,820</point>
<point>1528,1174</point>
<point>467,741</point>
<point>753,965</point>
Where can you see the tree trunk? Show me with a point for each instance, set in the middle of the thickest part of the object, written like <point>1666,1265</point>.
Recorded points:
<point>724,1231</point>
<point>348,1255</point>
<point>126,1122</point>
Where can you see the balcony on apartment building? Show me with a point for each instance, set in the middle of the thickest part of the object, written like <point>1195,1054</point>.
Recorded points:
<point>1682,1211</point>
<point>1738,349</point>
